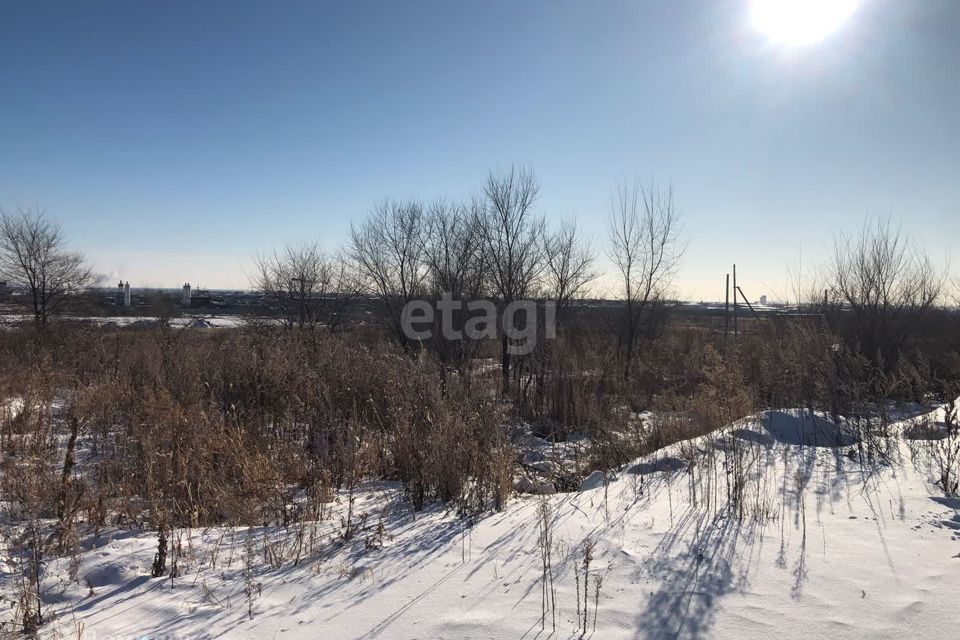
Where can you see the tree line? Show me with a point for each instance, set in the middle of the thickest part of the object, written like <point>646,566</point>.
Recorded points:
<point>496,246</point>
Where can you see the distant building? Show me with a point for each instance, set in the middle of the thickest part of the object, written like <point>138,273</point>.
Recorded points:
<point>122,297</point>
<point>763,300</point>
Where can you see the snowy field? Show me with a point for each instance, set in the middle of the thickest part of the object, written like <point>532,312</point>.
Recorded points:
<point>198,321</point>
<point>824,541</point>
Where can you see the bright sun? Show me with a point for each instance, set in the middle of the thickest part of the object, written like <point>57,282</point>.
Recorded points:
<point>800,22</point>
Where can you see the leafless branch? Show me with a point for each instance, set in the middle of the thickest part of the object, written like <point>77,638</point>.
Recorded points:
<point>34,257</point>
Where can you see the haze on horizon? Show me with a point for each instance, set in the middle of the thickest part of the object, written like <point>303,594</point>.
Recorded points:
<point>176,141</point>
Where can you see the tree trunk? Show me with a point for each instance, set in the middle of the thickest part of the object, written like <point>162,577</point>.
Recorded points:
<point>505,362</point>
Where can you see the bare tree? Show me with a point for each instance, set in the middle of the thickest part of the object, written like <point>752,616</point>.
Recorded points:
<point>306,286</point>
<point>512,242</point>
<point>569,266</point>
<point>451,250</point>
<point>388,250</point>
<point>886,281</point>
<point>35,258</point>
<point>567,274</point>
<point>645,248</point>
<point>455,275</point>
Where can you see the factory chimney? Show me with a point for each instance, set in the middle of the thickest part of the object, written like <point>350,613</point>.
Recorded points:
<point>119,299</point>
<point>126,294</point>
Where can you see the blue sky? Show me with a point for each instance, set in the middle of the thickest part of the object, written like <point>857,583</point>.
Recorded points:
<point>176,140</point>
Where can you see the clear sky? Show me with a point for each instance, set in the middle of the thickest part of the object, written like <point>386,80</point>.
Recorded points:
<point>175,140</point>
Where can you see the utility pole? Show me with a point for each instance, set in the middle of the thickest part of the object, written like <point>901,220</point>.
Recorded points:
<point>736,326</point>
<point>726,312</point>
<point>824,319</point>
<point>746,301</point>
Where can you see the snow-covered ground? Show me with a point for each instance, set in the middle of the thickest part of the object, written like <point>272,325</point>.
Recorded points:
<point>823,544</point>
<point>192,320</point>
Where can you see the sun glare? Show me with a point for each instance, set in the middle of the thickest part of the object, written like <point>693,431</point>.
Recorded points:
<point>800,22</point>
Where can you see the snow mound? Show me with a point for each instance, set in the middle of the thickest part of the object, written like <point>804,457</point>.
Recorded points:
<point>199,323</point>
<point>803,428</point>
<point>668,464</point>
<point>594,481</point>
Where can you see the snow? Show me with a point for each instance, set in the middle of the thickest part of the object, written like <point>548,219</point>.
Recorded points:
<point>824,546</point>
<point>799,427</point>
<point>11,408</point>
<point>195,320</point>
<point>594,481</point>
